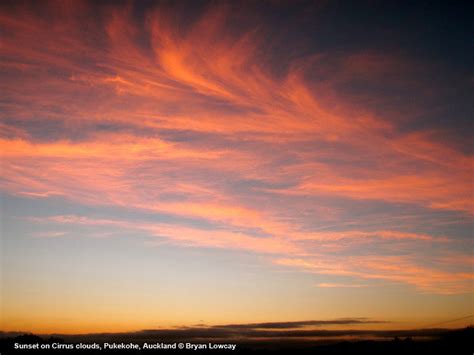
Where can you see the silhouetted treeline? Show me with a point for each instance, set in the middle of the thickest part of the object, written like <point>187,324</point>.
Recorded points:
<point>459,341</point>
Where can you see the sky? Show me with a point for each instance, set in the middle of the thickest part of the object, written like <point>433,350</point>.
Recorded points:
<point>174,163</point>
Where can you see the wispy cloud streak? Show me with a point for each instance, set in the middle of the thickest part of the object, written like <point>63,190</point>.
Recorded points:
<point>192,121</point>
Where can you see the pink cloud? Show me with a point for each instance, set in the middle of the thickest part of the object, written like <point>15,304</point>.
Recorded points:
<point>252,125</point>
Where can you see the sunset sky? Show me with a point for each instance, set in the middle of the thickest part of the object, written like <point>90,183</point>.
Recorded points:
<point>173,163</point>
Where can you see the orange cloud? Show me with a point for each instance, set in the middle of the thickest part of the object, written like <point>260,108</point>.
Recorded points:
<point>291,254</point>
<point>87,118</point>
<point>389,268</point>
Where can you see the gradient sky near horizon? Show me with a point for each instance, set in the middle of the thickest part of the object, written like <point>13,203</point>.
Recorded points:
<point>168,163</point>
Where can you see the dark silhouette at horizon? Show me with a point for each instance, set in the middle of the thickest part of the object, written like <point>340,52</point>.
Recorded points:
<point>416,341</point>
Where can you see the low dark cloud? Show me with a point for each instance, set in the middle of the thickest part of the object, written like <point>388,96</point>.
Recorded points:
<point>300,324</point>
<point>243,333</point>
<point>248,331</point>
